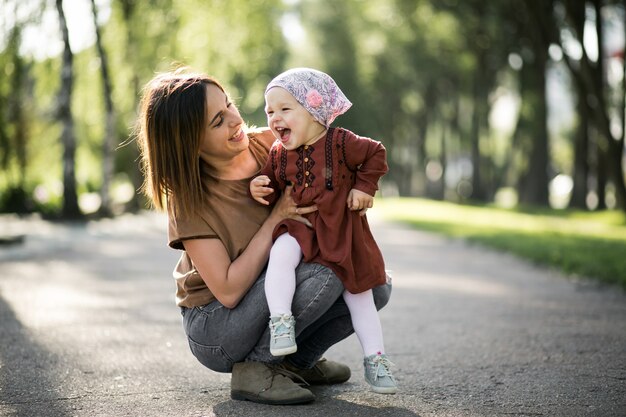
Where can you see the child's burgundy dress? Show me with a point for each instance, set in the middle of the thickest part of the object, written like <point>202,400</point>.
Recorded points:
<point>323,174</point>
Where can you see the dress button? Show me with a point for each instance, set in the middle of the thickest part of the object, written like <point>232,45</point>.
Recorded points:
<point>306,184</point>
<point>306,146</point>
<point>306,173</point>
<point>306,159</point>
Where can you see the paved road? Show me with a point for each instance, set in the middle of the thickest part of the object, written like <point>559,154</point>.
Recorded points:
<point>88,327</point>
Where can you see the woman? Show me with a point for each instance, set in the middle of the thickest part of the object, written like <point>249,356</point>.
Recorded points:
<point>198,159</point>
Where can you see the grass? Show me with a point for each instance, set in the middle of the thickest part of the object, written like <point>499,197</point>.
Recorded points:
<point>579,243</point>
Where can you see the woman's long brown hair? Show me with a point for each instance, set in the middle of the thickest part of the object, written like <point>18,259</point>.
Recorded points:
<point>170,127</point>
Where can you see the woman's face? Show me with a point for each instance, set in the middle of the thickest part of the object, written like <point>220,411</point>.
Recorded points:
<point>223,136</point>
<point>290,122</point>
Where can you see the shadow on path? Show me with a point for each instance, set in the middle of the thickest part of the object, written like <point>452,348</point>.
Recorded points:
<point>325,408</point>
<point>28,384</point>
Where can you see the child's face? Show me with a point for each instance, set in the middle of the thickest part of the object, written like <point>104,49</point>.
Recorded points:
<point>290,122</point>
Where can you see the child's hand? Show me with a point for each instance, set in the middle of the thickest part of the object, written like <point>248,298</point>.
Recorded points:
<point>358,200</point>
<point>259,188</point>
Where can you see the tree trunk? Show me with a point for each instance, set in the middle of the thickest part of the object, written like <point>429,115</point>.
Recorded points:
<point>532,126</point>
<point>577,15</point>
<point>18,115</point>
<point>445,130</point>
<point>131,153</point>
<point>479,117</point>
<point>602,176</point>
<point>109,126</point>
<point>615,152</point>
<point>581,163</point>
<point>533,186</point>
<point>423,119</point>
<point>68,139</point>
<point>533,183</point>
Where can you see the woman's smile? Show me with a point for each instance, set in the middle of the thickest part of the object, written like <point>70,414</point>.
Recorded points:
<point>238,137</point>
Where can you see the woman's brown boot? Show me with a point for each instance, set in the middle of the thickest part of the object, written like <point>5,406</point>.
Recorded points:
<point>267,384</point>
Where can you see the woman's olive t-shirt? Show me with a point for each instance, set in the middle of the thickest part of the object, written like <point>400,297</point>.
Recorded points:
<point>228,214</point>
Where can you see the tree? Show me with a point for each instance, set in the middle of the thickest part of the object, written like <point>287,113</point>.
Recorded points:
<point>589,83</point>
<point>580,175</point>
<point>16,100</point>
<point>532,126</point>
<point>70,197</point>
<point>423,76</point>
<point>109,121</point>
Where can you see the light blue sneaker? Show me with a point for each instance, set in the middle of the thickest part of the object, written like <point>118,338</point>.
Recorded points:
<point>378,374</point>
<point>283,335</point>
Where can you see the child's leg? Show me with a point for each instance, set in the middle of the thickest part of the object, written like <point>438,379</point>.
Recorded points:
<point>280,278</point>
<point>365,321</point>
<point>367,327</point>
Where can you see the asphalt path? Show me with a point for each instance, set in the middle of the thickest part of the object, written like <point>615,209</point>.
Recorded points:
<point>88,327</point>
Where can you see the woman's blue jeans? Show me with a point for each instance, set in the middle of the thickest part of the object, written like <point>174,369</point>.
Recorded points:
<point>219,337</point>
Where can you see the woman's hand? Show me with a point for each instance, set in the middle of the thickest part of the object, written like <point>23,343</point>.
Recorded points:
<point>286,208</point>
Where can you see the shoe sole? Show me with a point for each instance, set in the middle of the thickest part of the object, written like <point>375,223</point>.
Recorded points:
<point>284,351</point>
<point>384,390</point>
<point>245,396</point>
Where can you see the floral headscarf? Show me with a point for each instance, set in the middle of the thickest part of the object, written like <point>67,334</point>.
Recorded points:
<point>316,91</point>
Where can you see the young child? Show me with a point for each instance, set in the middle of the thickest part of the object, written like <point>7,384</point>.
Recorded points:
<point>339,172</point>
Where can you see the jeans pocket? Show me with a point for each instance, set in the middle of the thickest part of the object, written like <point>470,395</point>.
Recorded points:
<point>213,357</point>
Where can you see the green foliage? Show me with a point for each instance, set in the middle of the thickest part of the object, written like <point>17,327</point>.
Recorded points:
<point>590,245</point>
<point>422,75</point>
<point>15,200</point>
<point>28,199</point>
<point>237,41</point>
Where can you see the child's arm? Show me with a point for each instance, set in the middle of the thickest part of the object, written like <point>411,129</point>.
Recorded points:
<point>264,188</point>
<point>369,158</point>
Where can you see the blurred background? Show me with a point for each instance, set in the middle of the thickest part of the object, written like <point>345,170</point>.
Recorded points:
<point>514,103</point>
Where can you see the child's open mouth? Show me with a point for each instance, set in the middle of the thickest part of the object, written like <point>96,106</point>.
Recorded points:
<point>284,133</point>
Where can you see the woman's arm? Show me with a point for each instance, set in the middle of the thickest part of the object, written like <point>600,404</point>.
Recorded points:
<point>229,281</point>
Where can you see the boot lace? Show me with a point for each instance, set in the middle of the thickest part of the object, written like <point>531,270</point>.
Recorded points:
<point>281,328</point>
<point>382,367</point>
<point>279,369</point>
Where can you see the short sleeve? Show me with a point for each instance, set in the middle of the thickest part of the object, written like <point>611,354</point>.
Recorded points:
<point>194,227</point>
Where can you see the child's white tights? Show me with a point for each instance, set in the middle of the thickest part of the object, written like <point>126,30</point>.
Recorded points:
<point>365,321</point>
<point>280,286</point>
<point>280,277</point>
